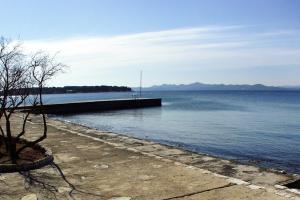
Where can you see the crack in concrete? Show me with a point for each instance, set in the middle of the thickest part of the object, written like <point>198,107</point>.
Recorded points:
<point>199,192</point>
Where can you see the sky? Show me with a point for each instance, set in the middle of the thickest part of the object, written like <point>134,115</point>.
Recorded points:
<point>108,42</point>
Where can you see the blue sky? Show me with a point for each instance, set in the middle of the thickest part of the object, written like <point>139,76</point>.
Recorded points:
<point>172,41</point>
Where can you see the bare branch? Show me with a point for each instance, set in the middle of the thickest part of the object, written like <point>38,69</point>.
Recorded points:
<point>23,126</point>
<point>20,76</point>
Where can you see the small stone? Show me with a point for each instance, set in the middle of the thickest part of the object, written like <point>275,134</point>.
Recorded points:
<point>82,147</point>
<point>30,197</point>
<point>254,187</point>
<point>281,187</point>
<point>145,177</point>
<point>178,163</point>
<point>120,198</point>
<point>134,157</point>
<point>190,167</point>
<point>207,158</point>
<point>156,166</point>
<point>64,189</point>
<point>65,157</point>
<point>238,181</point>
<point>104,166</point>
<point>294,191</point>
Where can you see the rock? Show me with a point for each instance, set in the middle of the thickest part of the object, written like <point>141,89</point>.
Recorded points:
<point>145,177</point>
<point>156,166</point>
<point>120,198</point>
<point>2,178</point>
<point>281,187</point>
<point>103,166</point>
<point>134,157</point>
<point>88,147</point>
<point>65,157</point>
<point>30,197</point>
<point>64,189</point>
<point>207,158</point>
<point>254,187</point>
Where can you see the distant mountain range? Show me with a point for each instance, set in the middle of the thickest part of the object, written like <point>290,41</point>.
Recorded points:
<point>202,86</point>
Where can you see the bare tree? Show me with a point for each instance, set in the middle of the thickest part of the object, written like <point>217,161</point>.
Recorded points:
<point>22,79</point>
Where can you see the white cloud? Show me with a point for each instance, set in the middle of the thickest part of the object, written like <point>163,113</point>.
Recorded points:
<point>200,47</point>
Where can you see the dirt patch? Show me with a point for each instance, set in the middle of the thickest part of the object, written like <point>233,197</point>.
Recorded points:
<point>28,155</point>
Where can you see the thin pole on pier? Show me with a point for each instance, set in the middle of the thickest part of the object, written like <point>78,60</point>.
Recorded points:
<point>141,78</point>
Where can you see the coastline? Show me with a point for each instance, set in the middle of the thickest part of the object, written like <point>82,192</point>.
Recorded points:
<point>121,167</point>
<point>216,164</point>
<point>248,173</point>
<point>235,126</point>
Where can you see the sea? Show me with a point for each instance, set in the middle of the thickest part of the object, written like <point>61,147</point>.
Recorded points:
<point>261,127</point>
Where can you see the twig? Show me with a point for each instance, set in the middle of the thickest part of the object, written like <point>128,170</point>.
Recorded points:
<point>73,188</point>
<point>30,179</point>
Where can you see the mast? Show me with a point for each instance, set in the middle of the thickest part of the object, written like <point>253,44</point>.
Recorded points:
<point>141,78</point>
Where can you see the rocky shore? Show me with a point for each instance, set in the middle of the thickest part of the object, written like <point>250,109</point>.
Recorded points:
<point>104,165</point>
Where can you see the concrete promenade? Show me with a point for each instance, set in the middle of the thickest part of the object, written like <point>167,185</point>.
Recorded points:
<point>109,166</point>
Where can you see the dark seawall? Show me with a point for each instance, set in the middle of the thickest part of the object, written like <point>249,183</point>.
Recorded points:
<point>93,106</point>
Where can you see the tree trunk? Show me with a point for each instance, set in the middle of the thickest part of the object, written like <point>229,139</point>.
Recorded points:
<point>13,152</point>
<point>12,146</point>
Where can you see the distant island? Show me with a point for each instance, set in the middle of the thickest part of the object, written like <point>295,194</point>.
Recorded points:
<point>82,89</point>
<point>202,86</point>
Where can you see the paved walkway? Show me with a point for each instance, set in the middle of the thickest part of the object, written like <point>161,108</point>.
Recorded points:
<point>113,167</point>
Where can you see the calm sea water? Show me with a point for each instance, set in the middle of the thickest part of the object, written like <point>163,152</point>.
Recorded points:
<point>246,126</point>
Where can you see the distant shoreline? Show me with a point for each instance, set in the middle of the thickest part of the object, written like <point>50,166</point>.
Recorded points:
<point>79,89</point>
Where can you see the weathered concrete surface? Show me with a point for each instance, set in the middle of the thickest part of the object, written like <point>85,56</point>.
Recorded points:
<point>251,174</point>
<point>121,168</point>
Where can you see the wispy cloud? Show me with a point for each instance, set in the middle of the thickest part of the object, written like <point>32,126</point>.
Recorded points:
<point>185,48</point>
<point>280,33</point>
